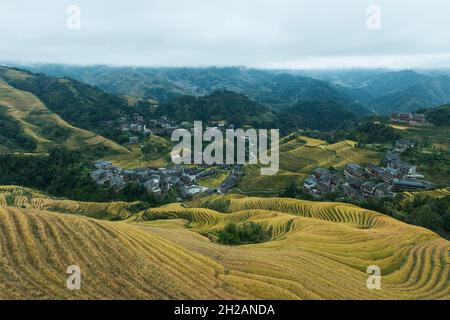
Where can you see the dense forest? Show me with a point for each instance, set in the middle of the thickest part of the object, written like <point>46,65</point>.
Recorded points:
<point>317,115</point>
<point>226,105</point>
<point>239,234</point>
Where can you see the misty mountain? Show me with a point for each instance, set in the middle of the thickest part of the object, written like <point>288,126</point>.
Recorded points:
<point>426,93</point>
<point>405,90</point>
<point>271,88</point>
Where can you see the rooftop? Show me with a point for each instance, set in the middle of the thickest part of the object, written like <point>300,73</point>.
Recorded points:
<point>409,183</point>
<point>404,142</point>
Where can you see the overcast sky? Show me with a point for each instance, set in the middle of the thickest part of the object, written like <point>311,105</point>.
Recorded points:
<point>255,33</point>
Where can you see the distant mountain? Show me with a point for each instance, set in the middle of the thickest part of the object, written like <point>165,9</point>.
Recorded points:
<point>426,93</point>
<point>285,89</point>
<point>161,84</point>
<point>390,82</point>
<point>274,89</point>
<point>220,105</point>
<point>404,91</point>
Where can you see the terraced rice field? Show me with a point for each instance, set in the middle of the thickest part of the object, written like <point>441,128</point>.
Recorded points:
<point>439,193</point>
<point>213,181</point>
<point>136,159</point>
<point>300,156</point>
<point>27,198</point>
<point>117,261</point>
<point>316,251</point>
<point>3,202</point>
<point>28,110</point>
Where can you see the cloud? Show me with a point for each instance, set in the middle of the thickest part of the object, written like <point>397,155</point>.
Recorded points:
<point>262,33</point>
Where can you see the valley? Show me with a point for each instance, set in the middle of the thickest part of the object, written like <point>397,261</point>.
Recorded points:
<point>86,179</point>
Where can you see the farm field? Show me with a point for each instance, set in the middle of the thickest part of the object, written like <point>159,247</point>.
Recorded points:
<point>438,193</point>
<point>213,181</point>
<point>316,250</point>
<point>30,199</point>
<point>300,156</point>
<point>136,159</point>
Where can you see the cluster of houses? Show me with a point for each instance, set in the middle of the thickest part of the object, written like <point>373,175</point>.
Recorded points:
<point>413,119</point>
<point>370,181</point>
<point>232,180</point>
<point>136,125</point>
<point>160,181</point>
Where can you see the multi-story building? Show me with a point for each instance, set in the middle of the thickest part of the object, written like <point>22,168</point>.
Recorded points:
<point>390,174</point>
<point>399,117</point>
<point>353,169</point>
<point>418,119</point>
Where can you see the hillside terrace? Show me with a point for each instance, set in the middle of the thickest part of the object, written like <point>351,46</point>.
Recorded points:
<point>359,181</point>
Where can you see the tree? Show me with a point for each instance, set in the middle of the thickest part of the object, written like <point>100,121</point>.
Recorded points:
<point>426,218</point>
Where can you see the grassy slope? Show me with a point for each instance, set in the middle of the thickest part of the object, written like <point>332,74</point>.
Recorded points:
<point>317,250</point>
<point>32,114</point>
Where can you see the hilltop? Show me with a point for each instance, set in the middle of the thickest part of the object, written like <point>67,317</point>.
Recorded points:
<point>315,251</point>
<point>315,115</point>
<point>234,108</point>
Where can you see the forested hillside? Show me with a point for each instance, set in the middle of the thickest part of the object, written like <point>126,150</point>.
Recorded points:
<point>82,105</point>
<point>225,105</point>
